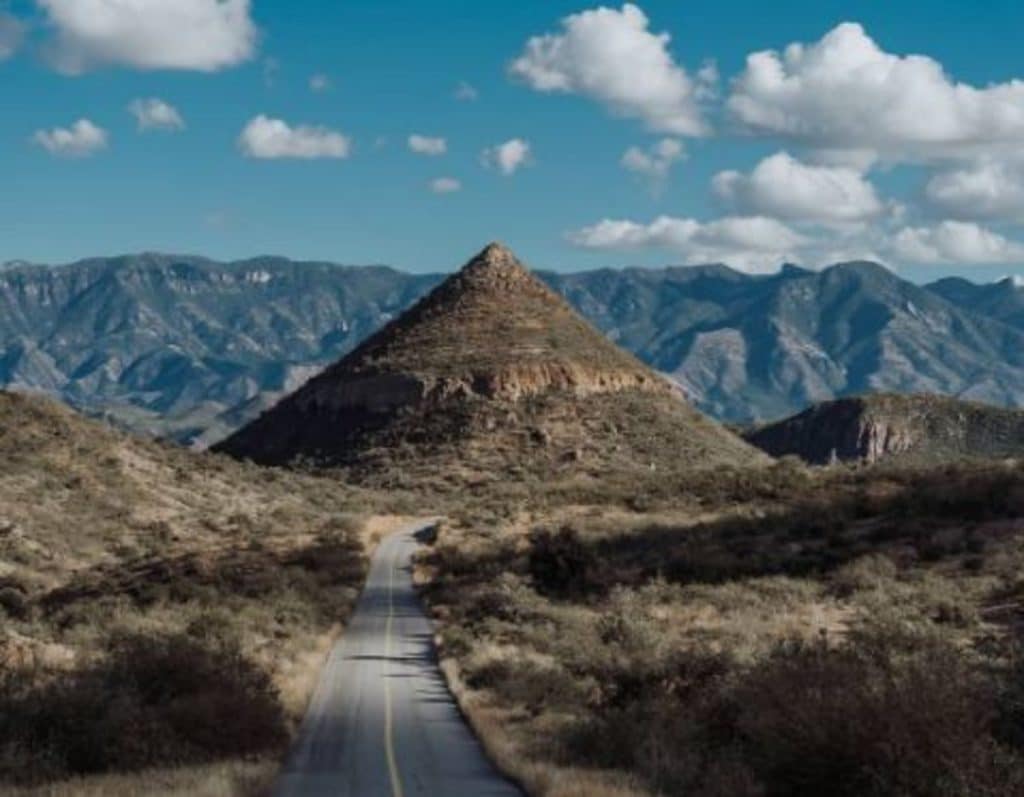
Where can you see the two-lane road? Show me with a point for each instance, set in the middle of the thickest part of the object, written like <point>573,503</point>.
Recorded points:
<point>382,721</point>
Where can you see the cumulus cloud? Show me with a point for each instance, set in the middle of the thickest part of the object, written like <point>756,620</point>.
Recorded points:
<point>753,243</point>
<point>155,114</point>
<point>759,244</point>
<point>80,140</point>
<point>202,35</point>
<point>319,83</point>
<point>656,161</point>
<point>270,138</point>
<point>845,94</point>
<point>782,187</point>
<point>989,190</point>
<point>610,56</point>
<point>466,92</point>
<point>12,31</point>
<point>445,185</point>
<point>954,242</point>
<point>427,145</point>
<point>509,157</point>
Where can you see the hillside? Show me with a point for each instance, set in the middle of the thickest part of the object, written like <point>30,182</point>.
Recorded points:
<point>193,349</point>
<point>492,371</point>
<point>148,592</point>
<point>918,428</point>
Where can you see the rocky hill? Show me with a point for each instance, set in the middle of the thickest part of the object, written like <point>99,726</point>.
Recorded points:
<point>192,349</point>
<point>918,428</point>
<point>491,371</point>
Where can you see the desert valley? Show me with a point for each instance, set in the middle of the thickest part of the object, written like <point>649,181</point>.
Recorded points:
<point>629,598</point>
<point>534,399</point>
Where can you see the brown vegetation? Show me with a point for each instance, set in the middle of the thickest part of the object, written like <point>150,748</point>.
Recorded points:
<point>148,593</point>
<point>847,632</point>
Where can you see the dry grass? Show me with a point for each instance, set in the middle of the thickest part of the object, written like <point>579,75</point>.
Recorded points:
<point>104,534</point>
<point>497,728</point>
<point>230,779</point>
<point>679,608</point>
<point>611,652</point>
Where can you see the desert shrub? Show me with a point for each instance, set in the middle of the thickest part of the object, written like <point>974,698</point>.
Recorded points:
<point>148,701</point>
<point>527,683</point>
<point>14,603</point>
<point>560,564</point>
<point>881,715</point>
<point>872,572</point>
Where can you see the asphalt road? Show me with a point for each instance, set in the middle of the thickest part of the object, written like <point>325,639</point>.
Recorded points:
<point>382,721</point>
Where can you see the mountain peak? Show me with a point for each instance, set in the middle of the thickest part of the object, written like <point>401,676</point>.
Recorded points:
<point>491,361</point>
<point>862,268</point>
<point>496,266</point>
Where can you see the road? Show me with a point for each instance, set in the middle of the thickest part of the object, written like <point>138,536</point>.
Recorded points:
<point>382,721</point>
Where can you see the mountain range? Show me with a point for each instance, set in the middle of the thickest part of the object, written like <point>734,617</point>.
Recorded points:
<point>190,348</point>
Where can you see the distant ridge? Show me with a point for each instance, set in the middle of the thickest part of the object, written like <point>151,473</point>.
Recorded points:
<point>491,368</point>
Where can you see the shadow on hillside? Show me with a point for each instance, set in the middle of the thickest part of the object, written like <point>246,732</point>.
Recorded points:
<point>922,516</point>
<point>254,573</point>
<point>908,515</point>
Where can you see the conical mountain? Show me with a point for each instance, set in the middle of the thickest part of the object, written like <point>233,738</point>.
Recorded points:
<point>492,369</point>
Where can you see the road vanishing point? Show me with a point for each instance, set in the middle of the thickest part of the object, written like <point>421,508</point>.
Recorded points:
<point>382,722</point>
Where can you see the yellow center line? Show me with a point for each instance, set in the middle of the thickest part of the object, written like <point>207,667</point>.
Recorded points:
<point>389,742</point>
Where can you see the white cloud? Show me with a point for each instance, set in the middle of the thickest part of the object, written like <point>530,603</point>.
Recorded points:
<point>845,93</point>
<point>508,157</point>
<point>990,190</point>
<point>955,242</point>
<point>656,161</point>
<point>610,56</point>
<point>80,140</point>
<point>445,185</point>
<point>758,244</point>
<point>427,145</point>
<point>319,83</point>
<point>755,244</point>
<point>269,138</point>
<point>12,31</point>
<point>782,187</point>
<point>465,92</point>
<point>202,35</point>
<point>155,114</point>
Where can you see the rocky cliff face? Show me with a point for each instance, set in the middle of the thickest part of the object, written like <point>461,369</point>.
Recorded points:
<point>917,427</point>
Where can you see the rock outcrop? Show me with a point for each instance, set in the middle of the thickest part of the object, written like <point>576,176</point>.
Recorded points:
<point>872,428</point>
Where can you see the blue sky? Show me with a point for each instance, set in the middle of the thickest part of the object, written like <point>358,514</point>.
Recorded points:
<point>918,165</point>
